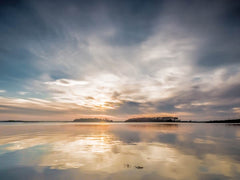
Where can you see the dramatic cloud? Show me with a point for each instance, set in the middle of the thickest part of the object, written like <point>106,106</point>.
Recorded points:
<point>65,59</point>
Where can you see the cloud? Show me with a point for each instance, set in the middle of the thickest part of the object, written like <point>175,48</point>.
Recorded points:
<point>121,58</point>
<point>22,92</point>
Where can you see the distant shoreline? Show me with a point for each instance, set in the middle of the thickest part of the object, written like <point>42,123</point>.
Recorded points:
<point>110,121</point>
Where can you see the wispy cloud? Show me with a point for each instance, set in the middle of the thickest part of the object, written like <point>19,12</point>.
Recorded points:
<point>22,92</point>
<point>120,59</point>
<point>2,91</point>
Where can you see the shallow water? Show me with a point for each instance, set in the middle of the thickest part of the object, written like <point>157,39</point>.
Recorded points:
<point>119,151</point>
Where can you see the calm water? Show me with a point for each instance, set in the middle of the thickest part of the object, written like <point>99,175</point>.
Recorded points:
<point>119,151</point>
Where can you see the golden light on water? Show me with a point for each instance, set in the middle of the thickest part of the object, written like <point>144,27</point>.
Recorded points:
<point>168,150</point>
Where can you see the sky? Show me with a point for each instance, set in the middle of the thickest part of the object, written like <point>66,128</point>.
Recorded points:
<point>66,59</point>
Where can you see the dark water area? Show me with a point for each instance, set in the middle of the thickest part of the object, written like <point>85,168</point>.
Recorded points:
<point>105,151</point>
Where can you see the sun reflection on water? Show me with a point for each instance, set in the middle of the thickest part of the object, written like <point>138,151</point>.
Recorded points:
<point>166,151</point>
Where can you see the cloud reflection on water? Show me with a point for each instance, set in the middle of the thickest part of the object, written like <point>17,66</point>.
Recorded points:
<point>167,151</point>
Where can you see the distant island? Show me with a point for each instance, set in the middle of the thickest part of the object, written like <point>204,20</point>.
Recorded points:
<point>132,120</point>
<point>154,119</point>
<point>91,120</point>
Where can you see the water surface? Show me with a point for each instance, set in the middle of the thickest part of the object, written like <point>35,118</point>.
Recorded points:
<point>119,151</point>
